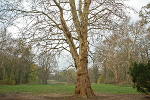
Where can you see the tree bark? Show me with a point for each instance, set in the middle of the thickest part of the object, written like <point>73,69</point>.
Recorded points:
<point>83,87</point>
<point>116,77</point>
<point>46,76</point>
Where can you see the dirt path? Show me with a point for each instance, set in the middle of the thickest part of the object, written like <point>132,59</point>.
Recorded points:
<point>99,96</point>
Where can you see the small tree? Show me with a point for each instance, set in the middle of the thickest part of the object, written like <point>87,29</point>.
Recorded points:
<point>96,73</point>
<point>32,77</point>
<point>141,77</point>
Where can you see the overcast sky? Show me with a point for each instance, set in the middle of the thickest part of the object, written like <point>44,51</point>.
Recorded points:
<point>136,4</point>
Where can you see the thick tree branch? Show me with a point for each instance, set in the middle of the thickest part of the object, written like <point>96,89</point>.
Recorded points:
<point>80,9</point>
<point>75,16</point>
<point>68,35</point>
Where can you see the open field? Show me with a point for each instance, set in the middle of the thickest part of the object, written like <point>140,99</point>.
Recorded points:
<point>58,92</point>
<point>63,89</point>
<point>38,89</point>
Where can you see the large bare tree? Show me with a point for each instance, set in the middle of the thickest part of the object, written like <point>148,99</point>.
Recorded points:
<point>67,25</point>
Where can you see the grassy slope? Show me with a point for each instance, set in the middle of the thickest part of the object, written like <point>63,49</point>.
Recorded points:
<point>67,89</point>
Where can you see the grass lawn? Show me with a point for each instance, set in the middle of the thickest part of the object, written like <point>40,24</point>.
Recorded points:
<point>114,89</point>
<point>66,89</point>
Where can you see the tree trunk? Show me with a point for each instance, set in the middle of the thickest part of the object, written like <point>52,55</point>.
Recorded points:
<point>83,87</point>
<point>105,71</point>
<point>46,76</point>
<point>116,77</point>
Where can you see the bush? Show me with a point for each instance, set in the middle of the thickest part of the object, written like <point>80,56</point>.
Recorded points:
<point>12,82</point>
<point>7,81</point>
<point>140,74</point>
<point>4,82</point>
<point>99,80</point>
<point>1,82</point>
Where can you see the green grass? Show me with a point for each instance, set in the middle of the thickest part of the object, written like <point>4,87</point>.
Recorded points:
<point>66,89</point>
<point>38,89</point>
<point>114,89</point>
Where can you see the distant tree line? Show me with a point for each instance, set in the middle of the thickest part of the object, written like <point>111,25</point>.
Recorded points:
<point>18,64</point>
<point>67,75</point>
<point>15,61</point>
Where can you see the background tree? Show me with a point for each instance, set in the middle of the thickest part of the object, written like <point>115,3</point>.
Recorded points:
<point>32,77</point>
<point>145,15</point>
<point>94,73</point>
<point>66,75</point>
<point>71,75</point>
<point>117,51</point>
<point>47,62</point>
